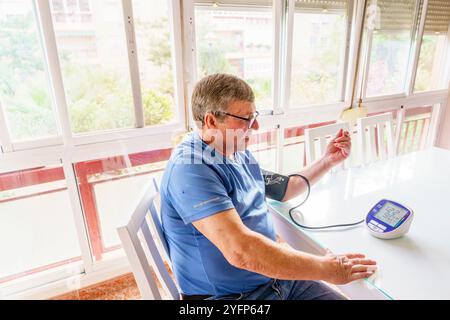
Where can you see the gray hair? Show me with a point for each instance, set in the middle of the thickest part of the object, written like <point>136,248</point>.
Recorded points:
<point>216,92</point>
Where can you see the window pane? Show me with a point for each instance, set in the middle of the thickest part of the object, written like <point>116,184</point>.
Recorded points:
<point>57,5</point>
<point>37,230</point>
<point>24,90</point>
<point>72,5</point>
<point>155,60</point>
<point>108,187</point>
<point>95,68</point>
<point>388,64</point>
<point>263,146</point>
<point>318,54</point>
<point>84,5</point>
<point>432,65</point>
<point>294,158</point>
<point>390,22</point>
<point>237,40</point>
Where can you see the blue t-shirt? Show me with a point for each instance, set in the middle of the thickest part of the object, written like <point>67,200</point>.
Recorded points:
<point>199,182</point>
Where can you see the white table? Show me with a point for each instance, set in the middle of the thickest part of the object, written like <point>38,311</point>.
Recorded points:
<point>416,266</point>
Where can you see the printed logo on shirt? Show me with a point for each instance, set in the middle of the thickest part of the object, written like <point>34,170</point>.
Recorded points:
<point>206,202</point>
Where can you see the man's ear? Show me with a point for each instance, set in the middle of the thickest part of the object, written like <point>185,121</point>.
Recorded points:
<point>210,121</point>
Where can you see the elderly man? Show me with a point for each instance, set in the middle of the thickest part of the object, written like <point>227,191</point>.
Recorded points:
<point>221,238</point>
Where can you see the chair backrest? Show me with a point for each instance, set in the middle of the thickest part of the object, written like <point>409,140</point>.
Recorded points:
<point>376,138</point>
<point>156,219</point>
<point>324,134</point>
<point>143,252</point>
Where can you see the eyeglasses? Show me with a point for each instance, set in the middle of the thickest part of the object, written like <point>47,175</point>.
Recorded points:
<point>251,120</point>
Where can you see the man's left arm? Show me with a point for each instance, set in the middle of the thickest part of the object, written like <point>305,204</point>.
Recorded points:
<point>337,151</point>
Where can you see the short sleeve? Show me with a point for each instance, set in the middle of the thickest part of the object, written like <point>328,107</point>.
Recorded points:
<point>197,191</point>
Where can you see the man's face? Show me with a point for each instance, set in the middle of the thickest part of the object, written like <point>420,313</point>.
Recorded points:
<point>235,132</point>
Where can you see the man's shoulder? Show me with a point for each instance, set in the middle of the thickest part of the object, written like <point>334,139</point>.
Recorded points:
<point>188,160</point>
<point>188,150</point>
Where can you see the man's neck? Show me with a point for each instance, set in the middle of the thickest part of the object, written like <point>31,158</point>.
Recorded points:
<point>206,139</point>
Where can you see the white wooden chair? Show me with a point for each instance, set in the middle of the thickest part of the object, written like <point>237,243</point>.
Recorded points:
<point>324,134</point>
<point>143,252</point>
<point>375,138</point>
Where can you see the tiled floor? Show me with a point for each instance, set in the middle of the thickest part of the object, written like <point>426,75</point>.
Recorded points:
<point>120,288</point>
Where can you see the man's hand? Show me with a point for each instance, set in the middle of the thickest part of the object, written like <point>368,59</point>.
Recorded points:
<point>338,149</point>
<point>342,269</point>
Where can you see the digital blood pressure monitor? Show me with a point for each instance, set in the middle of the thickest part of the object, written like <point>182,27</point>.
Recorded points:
<point>389,220</point>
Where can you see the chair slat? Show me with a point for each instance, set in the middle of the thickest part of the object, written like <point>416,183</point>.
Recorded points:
<point>129,235</point>
<point>322,133</point>
<point>141,269</point>
<point>368,140</point>
<point>159,262</point>
<point>381,145</point>
<point>157,224</point>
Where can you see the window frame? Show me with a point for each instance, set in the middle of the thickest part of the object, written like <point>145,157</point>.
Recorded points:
<point>7,144</point>
<point>416,35</point>
<point>65,10</point>
<point>344,76</point>
<point>5,139</point>
<point>50,156</point>
<point>43,11</point>
<point>189,7</point>
<point>405,87</point>
<point>446,58</point>
<point>417,46</point>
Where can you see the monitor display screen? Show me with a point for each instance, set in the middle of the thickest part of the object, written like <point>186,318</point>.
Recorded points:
<point>390,214</point>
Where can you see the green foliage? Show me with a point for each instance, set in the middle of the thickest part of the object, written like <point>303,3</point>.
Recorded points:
<point>20,54</point>
<point>159,52</point>
<point>316,87</point>
<point>23,85</point>
<point>318,83</point>
<point>425,67</point>
<point>212,59</point>
<point>157,107</point>
<point>211,50</point>
<point>157,96</point>
<point>98,99</point>
<point>262,87</point>
<point>29,111</point>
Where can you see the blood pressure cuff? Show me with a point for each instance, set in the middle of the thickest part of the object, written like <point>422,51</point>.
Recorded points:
<point>276,185</point>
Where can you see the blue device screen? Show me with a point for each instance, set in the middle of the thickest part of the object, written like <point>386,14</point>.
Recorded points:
<point>390,214</point>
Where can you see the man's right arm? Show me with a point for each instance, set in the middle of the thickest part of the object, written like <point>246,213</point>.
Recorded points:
<point>249,250</point>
